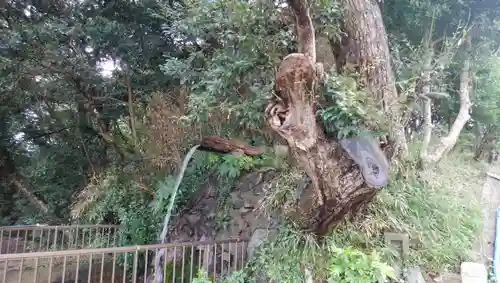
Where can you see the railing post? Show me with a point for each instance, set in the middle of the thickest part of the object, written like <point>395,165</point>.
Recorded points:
<point>55,238</point>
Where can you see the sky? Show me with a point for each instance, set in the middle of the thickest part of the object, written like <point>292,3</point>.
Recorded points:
<point>107,67</point>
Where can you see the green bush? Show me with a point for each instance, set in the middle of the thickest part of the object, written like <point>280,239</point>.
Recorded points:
<point>351,265</point>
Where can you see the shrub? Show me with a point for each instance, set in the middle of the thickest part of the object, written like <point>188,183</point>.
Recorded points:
<point>351,265</point>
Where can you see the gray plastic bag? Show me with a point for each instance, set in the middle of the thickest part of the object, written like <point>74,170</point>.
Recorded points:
<point>369,157</point>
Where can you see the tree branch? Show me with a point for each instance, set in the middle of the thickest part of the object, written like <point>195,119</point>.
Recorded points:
<point>31,135</point>
<point>365,26</point>
<point>131,100</point>
<point>8,171</point>
<point>222,145</point>
<point>448,142</point>
<point>305,29</point>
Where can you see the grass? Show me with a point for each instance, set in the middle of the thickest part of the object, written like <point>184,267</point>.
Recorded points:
<point>439,208</point>
<point>287,258</point>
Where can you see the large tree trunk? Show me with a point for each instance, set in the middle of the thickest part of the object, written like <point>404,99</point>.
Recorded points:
<point>364,25</point>
<point>338,187</point>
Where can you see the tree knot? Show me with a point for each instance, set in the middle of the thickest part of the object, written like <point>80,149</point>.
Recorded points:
<point>290,113</point>
<point>295,77</point>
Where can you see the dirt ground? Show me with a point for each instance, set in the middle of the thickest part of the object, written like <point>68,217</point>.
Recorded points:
<point>491,201</point>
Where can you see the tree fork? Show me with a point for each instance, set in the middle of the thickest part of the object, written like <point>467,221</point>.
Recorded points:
<point>446,143</point>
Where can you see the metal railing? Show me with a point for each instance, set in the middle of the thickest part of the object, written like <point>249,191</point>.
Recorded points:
<point>39,238</point>
<point>124,264</point>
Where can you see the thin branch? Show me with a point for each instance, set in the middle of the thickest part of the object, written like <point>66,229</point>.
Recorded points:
<point>131,100</point>
<point>41,135</point>
<point>21,187</point>
<point>437,95</point>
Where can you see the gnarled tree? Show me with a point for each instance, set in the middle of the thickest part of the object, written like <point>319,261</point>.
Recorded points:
<point>339,185</point>
<point>437,152</point>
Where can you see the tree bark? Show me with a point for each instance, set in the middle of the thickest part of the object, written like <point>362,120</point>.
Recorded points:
<point>363,23</point>
<point>338,187</point>
<point>222,145</point>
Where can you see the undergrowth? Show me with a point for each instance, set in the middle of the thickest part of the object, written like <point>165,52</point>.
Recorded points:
<point>437,208</point>
<point>291,255</point>
<point>141,211</point>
